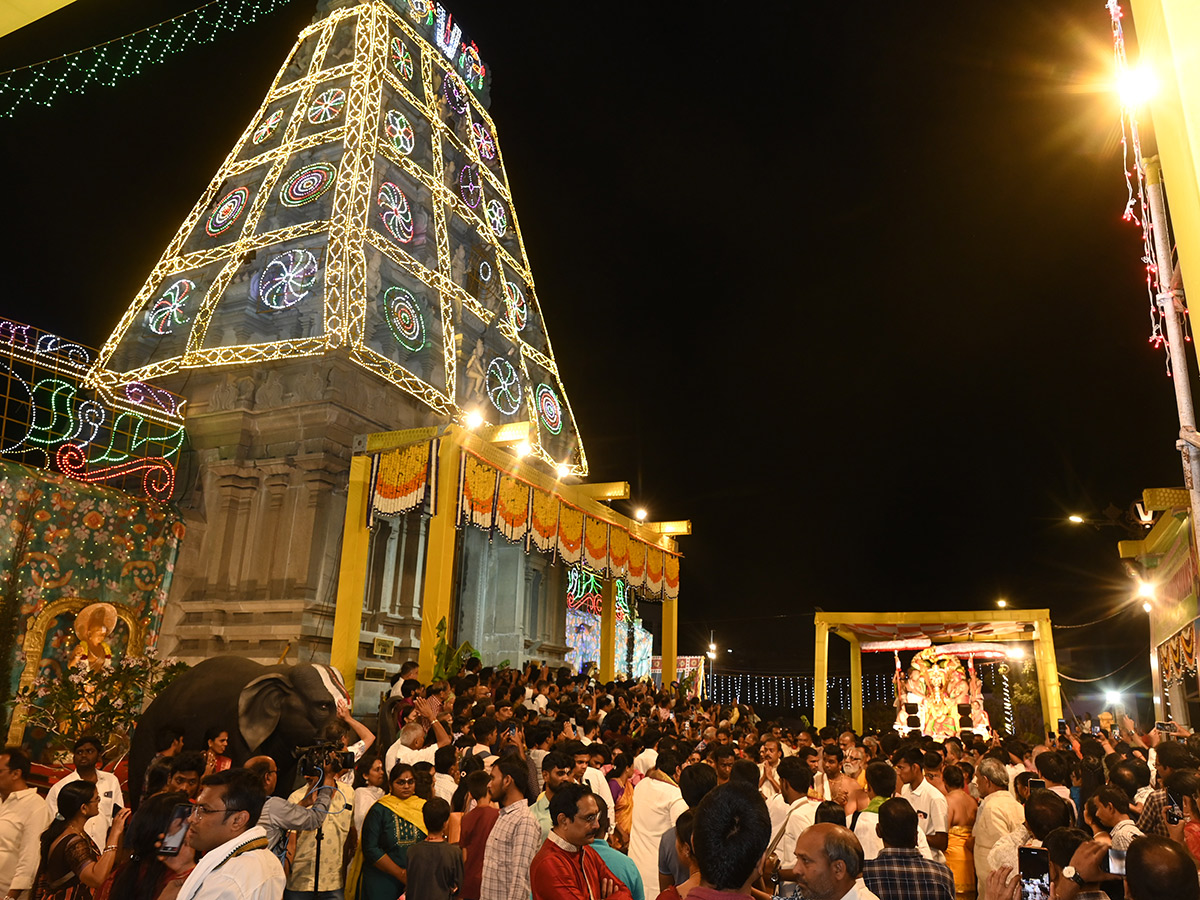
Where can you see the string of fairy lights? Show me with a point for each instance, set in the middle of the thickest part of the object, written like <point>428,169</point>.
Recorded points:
<point>106,64</point>
<point>796,691</point>
<point>1137,209</point>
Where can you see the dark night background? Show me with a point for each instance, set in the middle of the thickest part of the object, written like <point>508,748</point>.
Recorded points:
<point>849,289</point>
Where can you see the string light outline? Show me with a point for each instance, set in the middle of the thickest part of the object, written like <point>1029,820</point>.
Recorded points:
<point>341,313</point>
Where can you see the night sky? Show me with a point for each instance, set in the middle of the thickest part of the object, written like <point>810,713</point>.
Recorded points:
<point>850,289</point>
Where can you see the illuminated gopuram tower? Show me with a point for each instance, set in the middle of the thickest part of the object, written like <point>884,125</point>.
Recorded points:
<point>355,266</point>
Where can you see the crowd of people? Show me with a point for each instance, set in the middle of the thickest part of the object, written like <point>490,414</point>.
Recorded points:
<point>509,785</point>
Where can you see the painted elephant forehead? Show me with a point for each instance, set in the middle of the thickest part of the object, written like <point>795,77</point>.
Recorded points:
<point>332,679</point>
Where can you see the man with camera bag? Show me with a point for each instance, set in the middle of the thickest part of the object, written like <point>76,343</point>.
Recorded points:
<point>280,816</point>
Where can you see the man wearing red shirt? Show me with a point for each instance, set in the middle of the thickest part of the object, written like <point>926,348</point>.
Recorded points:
<point>566,867</point>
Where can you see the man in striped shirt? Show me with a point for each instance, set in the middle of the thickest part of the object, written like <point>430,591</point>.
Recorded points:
<point>515,838</point>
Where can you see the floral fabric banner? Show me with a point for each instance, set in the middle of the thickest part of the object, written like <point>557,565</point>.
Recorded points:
<point>1177,655</point>
<point>477,495</point>
<point>490,498</point>
<point>670,576</point>
<point>402,479</point>
<point>544,526</point>
<point>636,570</point>
<point>654,571</point>
<point>595,545</point>
<point>618,551</point>
<point>65,545</point>
<point>570,533</point>
<point>512,509</point>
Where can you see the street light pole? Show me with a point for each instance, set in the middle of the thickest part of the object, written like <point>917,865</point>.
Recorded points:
<point>1188,443</point>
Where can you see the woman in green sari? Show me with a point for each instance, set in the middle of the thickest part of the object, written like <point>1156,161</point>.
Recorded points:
<point>394,824</point>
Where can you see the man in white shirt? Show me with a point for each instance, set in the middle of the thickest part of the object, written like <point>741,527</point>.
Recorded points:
<point>999,814</point>
<point>792,812</point>
<point>657,803</point>
<point>768,780</point>
<point>445,773</point>
<point>224,827</point>
<point>23,818</point>
<point>829,864</point>
<point>410,745</point>
<point>928,801</point>
<point>648,758</point>
<point>87,768</point>
<point>583,773</point>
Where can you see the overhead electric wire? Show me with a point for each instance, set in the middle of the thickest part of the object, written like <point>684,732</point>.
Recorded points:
<point>1102,677</point>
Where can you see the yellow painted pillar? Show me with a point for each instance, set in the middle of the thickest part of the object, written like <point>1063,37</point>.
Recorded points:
<point>670,640</point>
<point>437,597</point>
<point>820,676</point>
<point>1047,664</point>
<point>352,573</point>
<point>608,632</point>
<point>856,685</point>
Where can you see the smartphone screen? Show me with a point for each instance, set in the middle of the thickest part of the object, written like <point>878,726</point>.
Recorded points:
<point>177,830</point>
<point>1095,729</point>
<point>1034,866</point>
<point>1116,862</point>
<point>1036,784</point>
<point>1062,726</point>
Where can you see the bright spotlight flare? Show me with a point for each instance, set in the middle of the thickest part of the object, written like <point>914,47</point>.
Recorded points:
<point>1136,85</point>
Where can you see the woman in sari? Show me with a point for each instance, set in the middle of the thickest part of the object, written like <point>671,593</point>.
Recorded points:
<point>395,823</point>
<point>71,865</point>
<point>622,790</point>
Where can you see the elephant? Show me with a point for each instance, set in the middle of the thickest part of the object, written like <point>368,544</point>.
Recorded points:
<point>268,710</point>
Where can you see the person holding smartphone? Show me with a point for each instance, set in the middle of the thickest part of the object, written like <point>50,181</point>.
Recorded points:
<point>155,829</point>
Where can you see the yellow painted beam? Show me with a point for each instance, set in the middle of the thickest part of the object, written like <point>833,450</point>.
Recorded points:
<point>511,433</point>
<point>821,675</point>
<point>683,526</point>
<point>438,594</point>
<point>1168,35</point>
<point>352,573</point>
<point>983,616</point>
<point>16,14</point>
<point>670,640</point>
<point>390,440</point>
<point>608,632</point>
<point>1156,499</point>
<point>605,490</point>
<point>856,686</point>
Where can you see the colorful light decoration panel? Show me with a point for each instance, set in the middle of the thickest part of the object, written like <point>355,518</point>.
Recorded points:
<point>398,92</point>
<point>128,436</point>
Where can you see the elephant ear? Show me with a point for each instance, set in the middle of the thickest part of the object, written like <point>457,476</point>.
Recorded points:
<point>260,707</point>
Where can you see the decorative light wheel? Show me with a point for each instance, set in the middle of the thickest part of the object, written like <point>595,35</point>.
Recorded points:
<point>402,59</point>
<point>497,217</point>
<point>455,93</point>
<point>227,211</point>
<point>549,409</point>
<point>307,184</point>
<point>485,271</point>
<point>395,212</point>
<point>168,309</point>
<point>503,386</point>
<point>287,279</point>
<point>404,318</point>
<point>327,106</point>
<point>268,126</point>
<point>518,308</point>
<point>469,186</point>
<point>484,141</point>
<point>400,131</point>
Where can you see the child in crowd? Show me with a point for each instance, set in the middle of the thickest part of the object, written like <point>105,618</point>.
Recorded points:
<point>435,866</point>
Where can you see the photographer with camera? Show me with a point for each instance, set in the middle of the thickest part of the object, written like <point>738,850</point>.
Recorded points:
<point>280,816</point>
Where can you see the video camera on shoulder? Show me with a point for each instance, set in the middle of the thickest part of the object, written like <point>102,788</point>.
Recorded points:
<point>316,759</point>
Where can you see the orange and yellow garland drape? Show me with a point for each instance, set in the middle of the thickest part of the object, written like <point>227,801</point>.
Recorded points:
<point>492,499</point>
